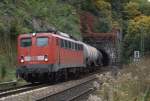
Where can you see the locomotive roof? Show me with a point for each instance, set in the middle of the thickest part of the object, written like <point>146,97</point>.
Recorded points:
<point>65,38</point>
<point>30,34</point>
<point>48,34</point>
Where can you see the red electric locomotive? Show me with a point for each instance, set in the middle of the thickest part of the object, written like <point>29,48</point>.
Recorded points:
<point>42,55</point>
<point>53,56</point>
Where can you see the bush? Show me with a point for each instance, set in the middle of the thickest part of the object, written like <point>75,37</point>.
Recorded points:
<point>131,84</point>
<point>3,71</point>
<point>3,66</point>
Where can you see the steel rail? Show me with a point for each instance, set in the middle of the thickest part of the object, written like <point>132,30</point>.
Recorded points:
<point>9,83</point>
<point>20,90</point>
<point>81,94</point>
<point>13,88</point>
<point>67,89</point>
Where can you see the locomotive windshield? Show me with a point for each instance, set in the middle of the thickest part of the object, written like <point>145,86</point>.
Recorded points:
<point>42,41</point>
<point>26,42</point>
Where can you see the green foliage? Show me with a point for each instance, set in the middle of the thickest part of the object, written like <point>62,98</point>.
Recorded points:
<point>138,28</point>
<point>3,66</point>
<point>103,6</point>
<point>32,15</point>
<point>88,6</point>
<point>144,6</point>
<point>103,25</point>
<point>132,10</point>
<point>3,71</point>
<point>104,22</point>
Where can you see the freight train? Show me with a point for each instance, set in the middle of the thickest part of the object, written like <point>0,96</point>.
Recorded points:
<point>53,56</point>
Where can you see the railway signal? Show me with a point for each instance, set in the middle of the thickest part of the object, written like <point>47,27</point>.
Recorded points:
<point>136,56</point>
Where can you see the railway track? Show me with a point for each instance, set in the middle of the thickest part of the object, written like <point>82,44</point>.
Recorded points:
<point>19,89</point>
<point>76,92</point>
<point>74,98</point>
<point>72,93</point>
<point>64,91</point>
<point>14,87</point>
<point>61,90</point>
<point>9,84</point>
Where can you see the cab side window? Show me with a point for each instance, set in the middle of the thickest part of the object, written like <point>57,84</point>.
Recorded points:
<point>69,45</point>
<point>62,43</point>
<point>73,46</point>
<point>66,44</point>
<point>57,42</point>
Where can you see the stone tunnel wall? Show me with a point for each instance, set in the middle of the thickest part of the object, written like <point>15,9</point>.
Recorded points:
<point>108,43</point>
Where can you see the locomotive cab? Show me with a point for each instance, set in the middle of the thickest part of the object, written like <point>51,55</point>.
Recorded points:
<point>34,49</point>
<point>35,54</point>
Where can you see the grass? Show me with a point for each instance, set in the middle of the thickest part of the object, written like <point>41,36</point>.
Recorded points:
<point>9,74</point>
<point>132,83</point>
<point>7,68</point>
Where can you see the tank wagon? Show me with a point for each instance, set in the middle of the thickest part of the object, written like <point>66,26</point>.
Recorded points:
<point>48,56</point>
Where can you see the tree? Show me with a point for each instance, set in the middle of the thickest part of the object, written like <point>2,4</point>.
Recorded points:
<point>138,27</point>
<point>131,10</point>
<point>104,23</point>
<point>104,7</point>
<point>144,6</point>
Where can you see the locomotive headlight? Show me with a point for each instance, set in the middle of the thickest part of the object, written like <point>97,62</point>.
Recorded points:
<point>22,59</point>
<point>33,34</point>
<point>45,58</point>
